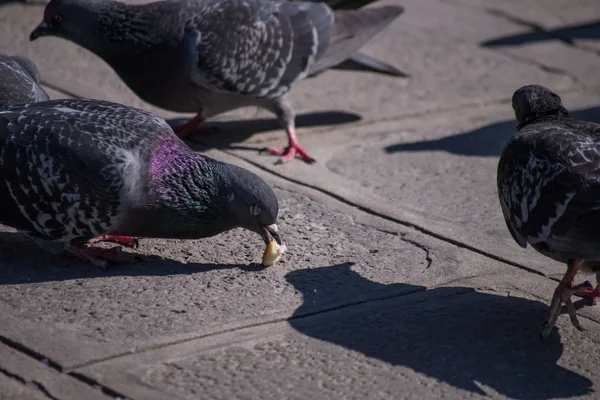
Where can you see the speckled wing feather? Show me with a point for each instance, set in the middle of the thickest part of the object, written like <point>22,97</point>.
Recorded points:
<point>69,164</point>
<point>19,81</point>
<point>549,187</point>
<point>263,48</point>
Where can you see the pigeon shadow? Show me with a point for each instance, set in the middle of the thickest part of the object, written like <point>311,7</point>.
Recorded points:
<point>236,131</point>
<point>487,141</point>
<point>23,261</point>
<point>568,34</point>
<point>452,334</point>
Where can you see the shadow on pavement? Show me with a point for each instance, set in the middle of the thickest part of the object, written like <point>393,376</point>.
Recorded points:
<point>461,339</point>
<point>487,141</point>
<point>569,34</point>
<point>23,261</point>
<point>240,130</point>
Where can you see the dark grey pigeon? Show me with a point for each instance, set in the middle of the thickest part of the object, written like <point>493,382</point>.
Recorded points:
<point>213,56</point>
<point>549,190</point>
<point>19,81</point>
<point>86,171</point>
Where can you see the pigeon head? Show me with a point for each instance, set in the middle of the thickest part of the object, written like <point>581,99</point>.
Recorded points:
<point>69,19</point>
<point>251,202</point>
<point>534,101</point>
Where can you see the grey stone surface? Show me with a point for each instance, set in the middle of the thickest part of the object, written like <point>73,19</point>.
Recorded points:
<point>454,343</point>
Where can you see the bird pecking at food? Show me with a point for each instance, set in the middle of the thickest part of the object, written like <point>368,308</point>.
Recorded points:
<point>549,189</point>
<point>87,171</point>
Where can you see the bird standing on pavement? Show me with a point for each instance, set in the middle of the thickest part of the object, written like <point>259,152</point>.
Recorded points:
<point>549,190</point>
<point>213,56</point>
<point>19,81</point>
<point>85,171</point>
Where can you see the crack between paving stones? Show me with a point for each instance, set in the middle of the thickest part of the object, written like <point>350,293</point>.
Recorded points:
<point>25,382</point>
<point>57,367</point>
<point>12,375</point>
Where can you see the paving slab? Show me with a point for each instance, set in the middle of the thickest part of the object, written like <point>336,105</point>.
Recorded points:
<point>447,342</point>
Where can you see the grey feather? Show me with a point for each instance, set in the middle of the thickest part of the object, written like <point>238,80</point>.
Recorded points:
<point>19,81</point>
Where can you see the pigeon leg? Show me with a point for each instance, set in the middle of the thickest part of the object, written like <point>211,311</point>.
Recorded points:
<point>98,256</point>
<point>286,117</point>
<point>126,241</point>
<point>563,293</point>
<point>288,153</point>
<point>191,127</point>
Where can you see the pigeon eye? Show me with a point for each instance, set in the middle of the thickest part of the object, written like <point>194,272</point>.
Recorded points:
<point>255,210</point>
<point>58,18</point>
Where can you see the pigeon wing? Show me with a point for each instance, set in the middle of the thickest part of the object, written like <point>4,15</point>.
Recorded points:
<point>259,48</point>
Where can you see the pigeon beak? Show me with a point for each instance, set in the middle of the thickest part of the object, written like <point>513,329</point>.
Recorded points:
<point>41,30</point>
<point>269,233</point>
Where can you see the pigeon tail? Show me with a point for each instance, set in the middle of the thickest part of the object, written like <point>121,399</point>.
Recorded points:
<point>351,30</point>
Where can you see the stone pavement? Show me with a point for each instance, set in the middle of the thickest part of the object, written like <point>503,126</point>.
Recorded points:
<point>401,279</point>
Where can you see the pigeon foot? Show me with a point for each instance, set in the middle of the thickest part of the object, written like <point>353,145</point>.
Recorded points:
<point>289,153</point>
<point>126,241</point>
<point>100,257</point>
<point>563,294</point>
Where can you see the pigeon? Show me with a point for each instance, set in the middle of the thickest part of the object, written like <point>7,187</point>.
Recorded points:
<point>213,56</point>
<point>359,60</point>
<point>88,171</point>
<point>19,81</point>
<point>549,190</point>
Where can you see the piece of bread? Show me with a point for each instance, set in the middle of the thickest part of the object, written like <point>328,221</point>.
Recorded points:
<point>272,253</point>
